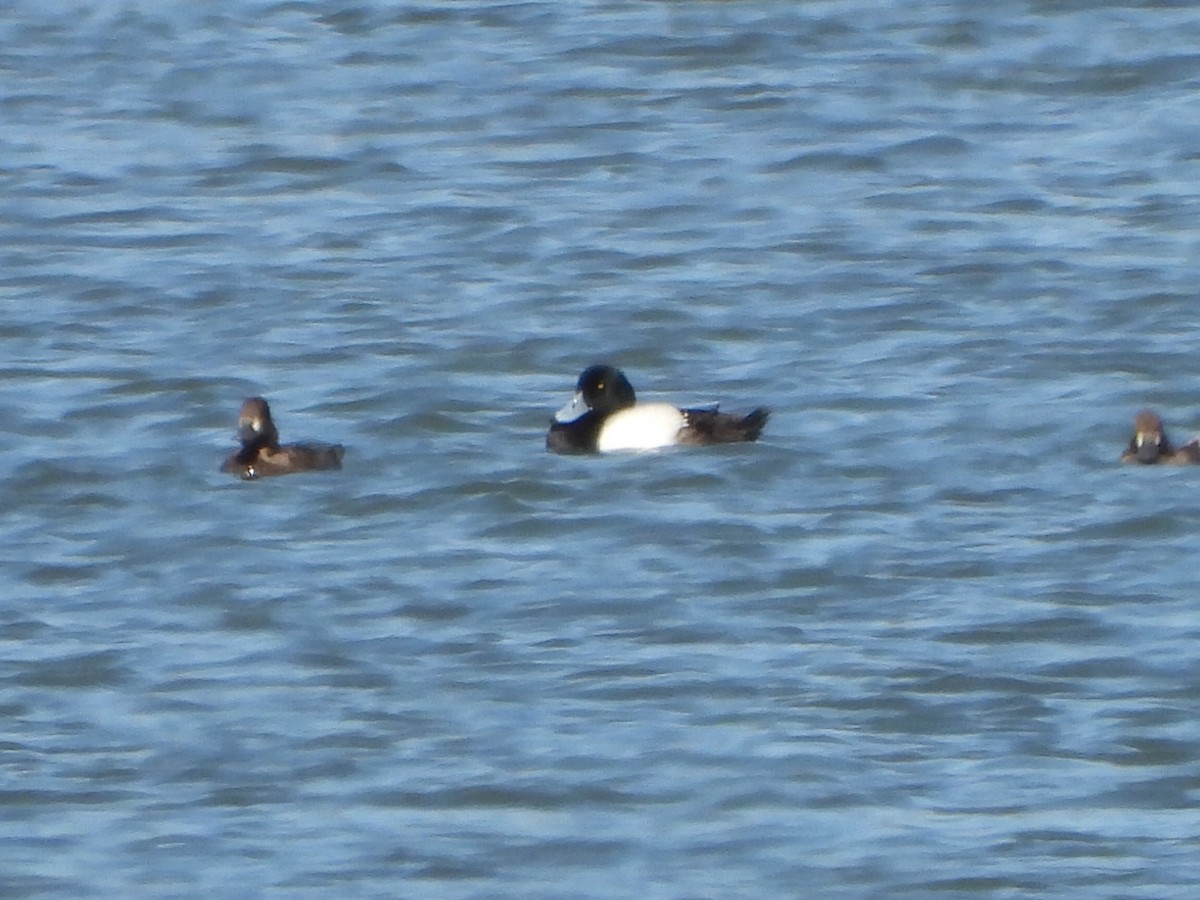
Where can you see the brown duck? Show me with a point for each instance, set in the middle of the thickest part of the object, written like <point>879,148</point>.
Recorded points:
<point>261,453</point>
<point>1150,444</point>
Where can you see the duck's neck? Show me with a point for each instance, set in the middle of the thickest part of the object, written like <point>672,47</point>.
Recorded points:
<point>254,446</point>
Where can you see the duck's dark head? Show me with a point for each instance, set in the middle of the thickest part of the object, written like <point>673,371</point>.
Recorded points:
<point>255,426</point>
<point>600,389</point>
<point>605,389</point>
<point>1149,441</point>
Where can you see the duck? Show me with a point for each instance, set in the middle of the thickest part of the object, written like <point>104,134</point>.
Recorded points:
<point>1150,444</point>
<point>604,417</point>
<point>262,455</point>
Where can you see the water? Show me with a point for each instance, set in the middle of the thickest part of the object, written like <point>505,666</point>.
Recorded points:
<point>925,639</point>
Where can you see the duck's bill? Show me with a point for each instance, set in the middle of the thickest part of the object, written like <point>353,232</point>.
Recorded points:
<point>572,410</point>
<point>248,429</point>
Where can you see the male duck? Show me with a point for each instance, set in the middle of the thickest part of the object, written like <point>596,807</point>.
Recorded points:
<point>604,416</point>
<point>261,453</point>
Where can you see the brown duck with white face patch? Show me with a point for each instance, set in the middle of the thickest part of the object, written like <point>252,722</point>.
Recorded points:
<point>262,454</point>
<point>1150,445</point>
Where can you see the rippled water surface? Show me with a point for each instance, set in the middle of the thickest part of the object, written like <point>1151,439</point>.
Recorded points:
<point>925,639</point>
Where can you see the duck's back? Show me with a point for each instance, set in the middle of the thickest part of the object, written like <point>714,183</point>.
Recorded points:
<point>707,426</point>
<point>285,460</point>
<point>313,457</point>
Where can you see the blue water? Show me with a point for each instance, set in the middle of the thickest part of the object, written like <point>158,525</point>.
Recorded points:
<point>926,638</point>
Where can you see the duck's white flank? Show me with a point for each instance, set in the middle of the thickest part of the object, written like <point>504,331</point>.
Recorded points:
<point>646,426</point>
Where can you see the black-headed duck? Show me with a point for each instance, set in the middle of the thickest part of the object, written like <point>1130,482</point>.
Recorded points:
<point>1150,444</point>
<point>604,416</point>
<point>262,454</point>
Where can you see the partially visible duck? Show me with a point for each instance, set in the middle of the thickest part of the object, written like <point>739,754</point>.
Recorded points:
<point>604,416</point>
<point>262,454</point>
<point>1150,444</point>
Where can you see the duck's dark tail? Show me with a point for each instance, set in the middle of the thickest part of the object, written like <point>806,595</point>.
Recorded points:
<point>707,426</point>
